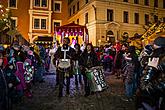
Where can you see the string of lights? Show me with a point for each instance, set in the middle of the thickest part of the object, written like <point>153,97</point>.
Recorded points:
<point>3,12</point>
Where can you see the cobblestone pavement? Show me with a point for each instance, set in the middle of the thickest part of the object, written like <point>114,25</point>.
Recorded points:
<point>45,97</point>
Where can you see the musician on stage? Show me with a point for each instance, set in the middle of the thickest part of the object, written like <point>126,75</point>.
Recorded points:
<point>89,59</point>
<point>64,57</point>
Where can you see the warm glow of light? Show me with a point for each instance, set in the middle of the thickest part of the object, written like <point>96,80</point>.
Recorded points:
<point>99,40</point>
<point>7,9</point>
<point>5,46</point>
<point>1,6</point>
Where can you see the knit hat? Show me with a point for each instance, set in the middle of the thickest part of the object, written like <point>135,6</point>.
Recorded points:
<point>160,41</point>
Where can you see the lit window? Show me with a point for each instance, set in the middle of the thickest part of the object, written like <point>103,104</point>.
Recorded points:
<point>13,3</point>
<point>57,6</point>
<point>40,3</point>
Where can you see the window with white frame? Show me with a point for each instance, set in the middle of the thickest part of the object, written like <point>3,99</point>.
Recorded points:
<point>57,6</point>
<point>56,23</point>
<point>40,3</point>
<point>14,22</point>
<point>43,23</point>
<point>40,23</point>
<point>12,3</point>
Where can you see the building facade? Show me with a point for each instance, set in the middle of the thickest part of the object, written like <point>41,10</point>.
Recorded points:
<point>109,20</point>
<point>34,18</point>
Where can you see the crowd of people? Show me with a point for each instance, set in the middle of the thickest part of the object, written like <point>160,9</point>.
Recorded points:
<point>142,71</point>
<point>20,68</point>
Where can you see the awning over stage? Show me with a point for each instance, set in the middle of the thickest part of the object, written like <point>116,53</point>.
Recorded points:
<point>73,31</point>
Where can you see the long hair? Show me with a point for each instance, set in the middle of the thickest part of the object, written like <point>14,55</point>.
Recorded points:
<point>92,48</point>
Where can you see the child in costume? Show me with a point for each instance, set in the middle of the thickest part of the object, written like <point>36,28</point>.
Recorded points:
<point>20,74</point>
<point>28,74</point>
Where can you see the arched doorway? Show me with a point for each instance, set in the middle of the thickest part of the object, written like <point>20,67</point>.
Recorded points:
<point>110,38</point>
<point>112,27</point>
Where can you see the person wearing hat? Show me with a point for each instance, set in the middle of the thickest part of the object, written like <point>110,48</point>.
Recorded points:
<point>152,88</point>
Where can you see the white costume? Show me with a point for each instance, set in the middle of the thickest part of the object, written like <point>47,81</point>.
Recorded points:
<point>52,68</point>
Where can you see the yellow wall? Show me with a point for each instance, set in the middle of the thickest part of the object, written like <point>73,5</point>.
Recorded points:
<point>98,28</point>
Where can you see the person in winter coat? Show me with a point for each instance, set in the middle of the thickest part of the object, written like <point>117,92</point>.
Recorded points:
<point>129,72</point>
<point>12,82</point>
<point>88,59</point>
<point>151,94</point>
<point>3,87</point>
<point>76,64</point>
<point>20,74</point>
